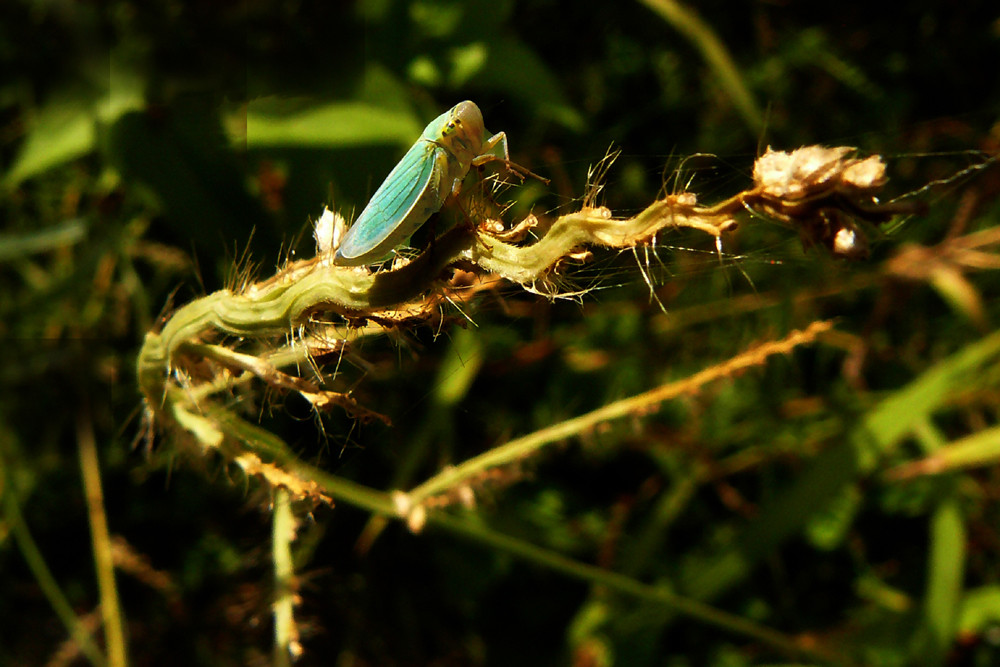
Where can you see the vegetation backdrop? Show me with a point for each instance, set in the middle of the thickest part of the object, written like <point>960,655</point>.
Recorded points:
<point>836,503</point>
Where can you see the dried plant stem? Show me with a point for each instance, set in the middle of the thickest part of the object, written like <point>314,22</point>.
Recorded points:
<point>75,626</point>
<point>286,644</point>
<point>114,633</point>
<point>380,503</point>
<point>284,303</point>
<point>243,443</point>
<point>521,448</point>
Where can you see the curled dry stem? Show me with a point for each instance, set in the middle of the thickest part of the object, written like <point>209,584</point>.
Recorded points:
<point>315,290</point>
<point>192,357</point>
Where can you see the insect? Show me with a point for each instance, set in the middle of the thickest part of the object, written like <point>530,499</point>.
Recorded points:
<point>418,186</point>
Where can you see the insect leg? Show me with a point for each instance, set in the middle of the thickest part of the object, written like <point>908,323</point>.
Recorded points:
<point>495,150</point>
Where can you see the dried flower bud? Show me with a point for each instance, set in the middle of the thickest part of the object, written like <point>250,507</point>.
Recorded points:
<point>401,503</point>
<point>683,199</point>
<point>867,174</point>
<point>492,226</point>
<point>417,519</point>
<point>467,497</point>
<point>328,231</point>
<point>799,173</point>
<point>837,232</point>
<point>849,242</point>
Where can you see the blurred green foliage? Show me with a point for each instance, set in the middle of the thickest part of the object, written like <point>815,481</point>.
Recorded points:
<point>146,146</point>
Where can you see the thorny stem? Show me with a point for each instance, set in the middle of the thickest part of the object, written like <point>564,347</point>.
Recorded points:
<point>818,189</point>
<point>304,289</point>
<point>519,449</point>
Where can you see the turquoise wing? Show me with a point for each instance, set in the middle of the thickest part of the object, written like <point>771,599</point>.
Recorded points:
<point>403,202</point>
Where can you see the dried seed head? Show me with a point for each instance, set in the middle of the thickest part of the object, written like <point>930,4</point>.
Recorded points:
<point>800,173</point>
<point>821,191</point>
<point>867,174</point>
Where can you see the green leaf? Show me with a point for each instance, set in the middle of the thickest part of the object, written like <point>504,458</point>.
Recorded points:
<point>828,527</point>
<point>184,159</point>
<point>945,572</point>
<point>980,609</point>
<point>63,130</point>
<point>270,123</point>
<point>460,368</point>
<point>876,436</point>
<point>66,128</point>
<point>981,448</point>
<point>14,246</point>
<point>514,69</point>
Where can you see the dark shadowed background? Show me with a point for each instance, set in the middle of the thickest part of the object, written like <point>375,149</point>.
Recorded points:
<point>147,146</point>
